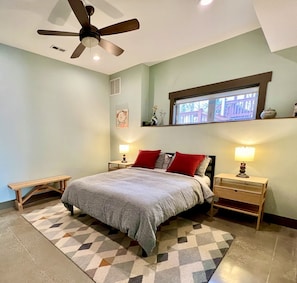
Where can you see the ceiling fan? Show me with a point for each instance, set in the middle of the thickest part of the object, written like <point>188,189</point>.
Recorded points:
<point>89,35</point>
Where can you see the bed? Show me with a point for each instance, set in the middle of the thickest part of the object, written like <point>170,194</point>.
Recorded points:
<point>138,199</point>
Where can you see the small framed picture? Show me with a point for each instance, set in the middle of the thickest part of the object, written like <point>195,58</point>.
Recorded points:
<point>122,118</point>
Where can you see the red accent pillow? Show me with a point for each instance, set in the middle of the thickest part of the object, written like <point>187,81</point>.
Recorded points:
<point>147,158</point>
<point>185,163</point>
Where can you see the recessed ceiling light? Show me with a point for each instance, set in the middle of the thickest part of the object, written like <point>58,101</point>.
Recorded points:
<point>205,2</point>
<point>96,58</point>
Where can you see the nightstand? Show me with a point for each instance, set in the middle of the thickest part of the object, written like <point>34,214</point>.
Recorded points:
<point>244,195</point>
<point>115,165</point>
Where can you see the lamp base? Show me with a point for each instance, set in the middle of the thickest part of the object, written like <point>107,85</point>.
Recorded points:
<point>242,175</point>
<point>124,159</point>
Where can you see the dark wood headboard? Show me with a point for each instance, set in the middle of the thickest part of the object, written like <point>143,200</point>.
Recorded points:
<point>210,171</point>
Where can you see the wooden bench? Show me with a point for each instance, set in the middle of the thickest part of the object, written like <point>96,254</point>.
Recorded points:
<point>56,183</point>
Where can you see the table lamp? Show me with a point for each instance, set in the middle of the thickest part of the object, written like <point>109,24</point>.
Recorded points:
<point>124,148</point>
<point>244,154</point>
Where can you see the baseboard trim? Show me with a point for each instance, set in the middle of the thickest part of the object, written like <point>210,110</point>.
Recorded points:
<point>7,204</point>
<point>280,220</point>
<point>39,197</point>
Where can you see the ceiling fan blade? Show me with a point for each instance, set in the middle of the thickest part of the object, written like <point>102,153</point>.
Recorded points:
<point>80,12</point>
<point>58,33</point>
<point>60,13</point>
<point>120,27</point>
<point>110,47</point>
<point>79,49</point>
<point>107,8</point>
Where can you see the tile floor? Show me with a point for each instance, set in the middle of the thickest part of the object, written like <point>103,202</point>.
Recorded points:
<point>265,256</point>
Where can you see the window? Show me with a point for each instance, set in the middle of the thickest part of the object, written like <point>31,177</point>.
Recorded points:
<point>220,107</point>
<point>235,100</point>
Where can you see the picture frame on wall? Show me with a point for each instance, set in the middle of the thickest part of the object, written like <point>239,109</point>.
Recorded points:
<point>122,118</point>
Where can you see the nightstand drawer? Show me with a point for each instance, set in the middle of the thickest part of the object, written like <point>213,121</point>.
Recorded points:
<point>237,195</point>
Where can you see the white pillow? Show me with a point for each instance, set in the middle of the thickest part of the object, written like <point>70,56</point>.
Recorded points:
<point>160,160</point>
<point>163,160</point>
<point>167,160</point>
<point>203,166</point>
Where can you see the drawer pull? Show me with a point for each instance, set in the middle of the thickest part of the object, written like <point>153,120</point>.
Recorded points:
<point>235,191</point>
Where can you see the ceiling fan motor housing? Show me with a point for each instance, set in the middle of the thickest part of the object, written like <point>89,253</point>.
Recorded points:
<point>89,36</point>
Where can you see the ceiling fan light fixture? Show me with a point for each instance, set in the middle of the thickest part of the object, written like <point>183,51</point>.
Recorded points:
<point>205,2</point>
<point>89,41</point>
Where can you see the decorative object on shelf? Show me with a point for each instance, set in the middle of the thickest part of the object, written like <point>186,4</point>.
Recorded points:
<point>154,120</point>
<point>244,154</point>
<point>295,110</point>
<point>162,115</point>
<point>268,114</point>
<point>124,148</point>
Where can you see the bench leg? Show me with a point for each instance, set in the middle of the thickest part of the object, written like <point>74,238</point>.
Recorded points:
<point>19,200</point>
<point>63,185</point>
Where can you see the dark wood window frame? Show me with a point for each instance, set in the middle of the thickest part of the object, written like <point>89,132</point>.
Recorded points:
<point>259,80</point>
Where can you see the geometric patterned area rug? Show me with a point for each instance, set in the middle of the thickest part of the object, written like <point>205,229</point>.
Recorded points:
<point>186,251</point>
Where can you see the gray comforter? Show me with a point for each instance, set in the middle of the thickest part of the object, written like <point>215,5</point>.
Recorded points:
<point>135,200</point>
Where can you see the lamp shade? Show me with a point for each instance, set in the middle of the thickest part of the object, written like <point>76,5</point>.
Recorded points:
<point>124,148</point>
<point>244,153</point>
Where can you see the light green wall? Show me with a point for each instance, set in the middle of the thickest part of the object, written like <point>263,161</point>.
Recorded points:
<point>54,119</point>
<point>245,55</point>
<point>134,96</point>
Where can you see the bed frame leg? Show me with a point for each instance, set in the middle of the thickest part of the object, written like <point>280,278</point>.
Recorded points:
<point>69,207</point>
<point>144,254</point>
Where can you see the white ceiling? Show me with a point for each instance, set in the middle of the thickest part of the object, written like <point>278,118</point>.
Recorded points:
<point>168,28</point>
